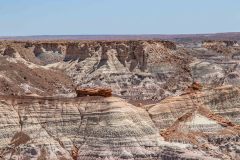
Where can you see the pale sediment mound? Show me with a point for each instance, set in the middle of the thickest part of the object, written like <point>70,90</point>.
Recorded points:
<point>86,128</point>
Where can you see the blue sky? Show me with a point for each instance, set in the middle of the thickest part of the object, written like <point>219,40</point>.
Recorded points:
<point>91,17</point>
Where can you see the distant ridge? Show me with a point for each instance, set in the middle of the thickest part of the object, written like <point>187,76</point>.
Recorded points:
<point>175,37</point>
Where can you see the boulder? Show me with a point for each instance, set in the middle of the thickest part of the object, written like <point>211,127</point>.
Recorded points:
<point>196,86</point>
<point>104,92</point>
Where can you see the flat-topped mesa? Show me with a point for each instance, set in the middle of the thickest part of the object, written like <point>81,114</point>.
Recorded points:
<point>227,43</point>
<point>220,46</point>
<point>103,92</point>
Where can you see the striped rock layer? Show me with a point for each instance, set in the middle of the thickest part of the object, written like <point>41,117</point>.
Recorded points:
<point>209,119</point>
<point>83,128</point>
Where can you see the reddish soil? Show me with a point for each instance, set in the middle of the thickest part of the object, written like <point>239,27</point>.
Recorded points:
<point>47,82</point>
<point>104,92</point>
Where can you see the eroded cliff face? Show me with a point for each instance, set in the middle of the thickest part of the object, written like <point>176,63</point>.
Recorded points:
<point>133,69</point>
<point>138,70</point>
<point>149,70</point>
<point>192,92</point>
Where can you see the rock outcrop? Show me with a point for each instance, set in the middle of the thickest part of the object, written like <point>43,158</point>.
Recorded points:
<point>104,92</point>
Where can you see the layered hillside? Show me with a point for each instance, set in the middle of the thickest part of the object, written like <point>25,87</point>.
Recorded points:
<point>197,125</point>
<point>83,128</point>
<point>209,119</point>
<point>138,70</point>
<point>169,101</point>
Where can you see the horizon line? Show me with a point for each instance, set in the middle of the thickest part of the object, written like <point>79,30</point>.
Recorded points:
<point>153,34</point>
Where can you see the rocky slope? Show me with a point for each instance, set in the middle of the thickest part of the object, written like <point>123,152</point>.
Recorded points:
<point>187,96</point>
